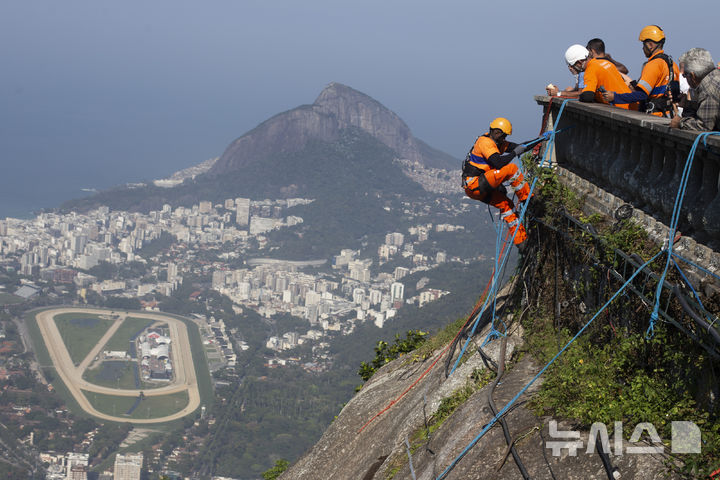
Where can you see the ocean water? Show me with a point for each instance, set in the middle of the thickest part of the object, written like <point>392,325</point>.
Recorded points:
<point>25,200</point>
<point>26,189</point>
<point>47,179</point>
<point>29,187</point>
<point>53,145</point>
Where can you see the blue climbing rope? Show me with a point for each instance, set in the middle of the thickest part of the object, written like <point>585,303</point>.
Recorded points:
<point>495,333</point>
<point>696,296</point>
<point>677,255</point>
<point>552,360</point>
<point>673,227</point>
<point>500,264</point>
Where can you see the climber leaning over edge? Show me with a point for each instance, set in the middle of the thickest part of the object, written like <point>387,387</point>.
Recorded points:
<point>488,165</point>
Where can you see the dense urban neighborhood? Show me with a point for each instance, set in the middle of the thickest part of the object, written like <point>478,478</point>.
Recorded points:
<point>192,260</point>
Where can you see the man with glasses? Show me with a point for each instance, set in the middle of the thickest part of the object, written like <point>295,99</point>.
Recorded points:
<point>600,75</point>
<point>698,68</point>
<point>596,49</point>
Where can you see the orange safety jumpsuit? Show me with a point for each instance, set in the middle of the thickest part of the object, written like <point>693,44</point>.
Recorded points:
<point>652,87</point>
<point>600,74</point>
<point>482,182</point>
<point>654,81</point>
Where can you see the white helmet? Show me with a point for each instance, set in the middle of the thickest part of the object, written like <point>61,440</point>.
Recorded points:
<point>574,53</point>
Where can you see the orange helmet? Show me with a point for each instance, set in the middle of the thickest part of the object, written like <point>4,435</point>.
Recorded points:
<point>503,124</point>
<point>652,32</point>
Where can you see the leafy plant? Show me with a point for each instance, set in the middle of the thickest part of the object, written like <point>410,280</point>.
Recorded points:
<point>273,473</point>
<point>385,353</point>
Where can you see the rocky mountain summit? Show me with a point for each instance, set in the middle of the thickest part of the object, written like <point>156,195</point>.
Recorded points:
<point>345,136</point>
<point>338,107</point>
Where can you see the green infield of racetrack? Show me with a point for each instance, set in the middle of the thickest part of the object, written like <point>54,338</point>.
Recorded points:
<point>149,407</point>
<point>120,341</point>
<point>113,374</point>
<point>118,374</point>
<point>81,332</point>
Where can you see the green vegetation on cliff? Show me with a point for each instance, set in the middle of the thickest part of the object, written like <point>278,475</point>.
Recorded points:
<point>614,371</point>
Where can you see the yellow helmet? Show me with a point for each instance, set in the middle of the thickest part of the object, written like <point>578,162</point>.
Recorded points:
<point>503,124</point>
<point>652,32</point>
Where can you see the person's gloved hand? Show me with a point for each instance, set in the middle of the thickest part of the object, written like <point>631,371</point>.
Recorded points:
<point>519,150</point>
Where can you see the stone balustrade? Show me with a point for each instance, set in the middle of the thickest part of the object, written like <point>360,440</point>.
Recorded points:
<point>638,159</point>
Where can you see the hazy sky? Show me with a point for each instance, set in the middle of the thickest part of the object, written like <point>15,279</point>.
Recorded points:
<point>97,92</point>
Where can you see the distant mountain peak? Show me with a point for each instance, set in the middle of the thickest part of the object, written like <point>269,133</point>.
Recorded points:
<point>341,100</point>
<point>338,107</point>
<point>335,93</point>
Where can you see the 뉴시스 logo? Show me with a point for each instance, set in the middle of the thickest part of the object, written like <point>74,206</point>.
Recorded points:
<point>685,439</point>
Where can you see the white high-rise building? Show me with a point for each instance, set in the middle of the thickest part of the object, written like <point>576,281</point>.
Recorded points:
<point>312,298</point>
<point>128,467</point>
<point>218,279</point>
<point>394,238</point>
<point>397,291</point>
<point>400,272</point>
<point>205,207</point>
<point>345,257</point>
<point>375,296</point>
<point>78,243</point>
<point>358,295</point>
<point>171,272</point>
<point>242,211</point>
<point>243,290</point>
<point>78,472</point>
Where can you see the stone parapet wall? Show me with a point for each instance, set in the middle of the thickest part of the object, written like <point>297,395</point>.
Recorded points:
<point>639,159</point>
<point>612,157</point>
<point>598,200</point>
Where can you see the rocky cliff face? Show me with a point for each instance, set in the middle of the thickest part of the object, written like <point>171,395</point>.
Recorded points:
<point>405,423</point>
<point>337,107</point>
<point>368,442</point>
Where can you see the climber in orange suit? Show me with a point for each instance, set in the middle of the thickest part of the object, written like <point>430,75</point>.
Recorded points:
<point>488,165</point>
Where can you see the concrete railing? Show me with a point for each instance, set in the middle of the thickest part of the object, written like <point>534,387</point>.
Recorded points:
<point>639,159</point>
